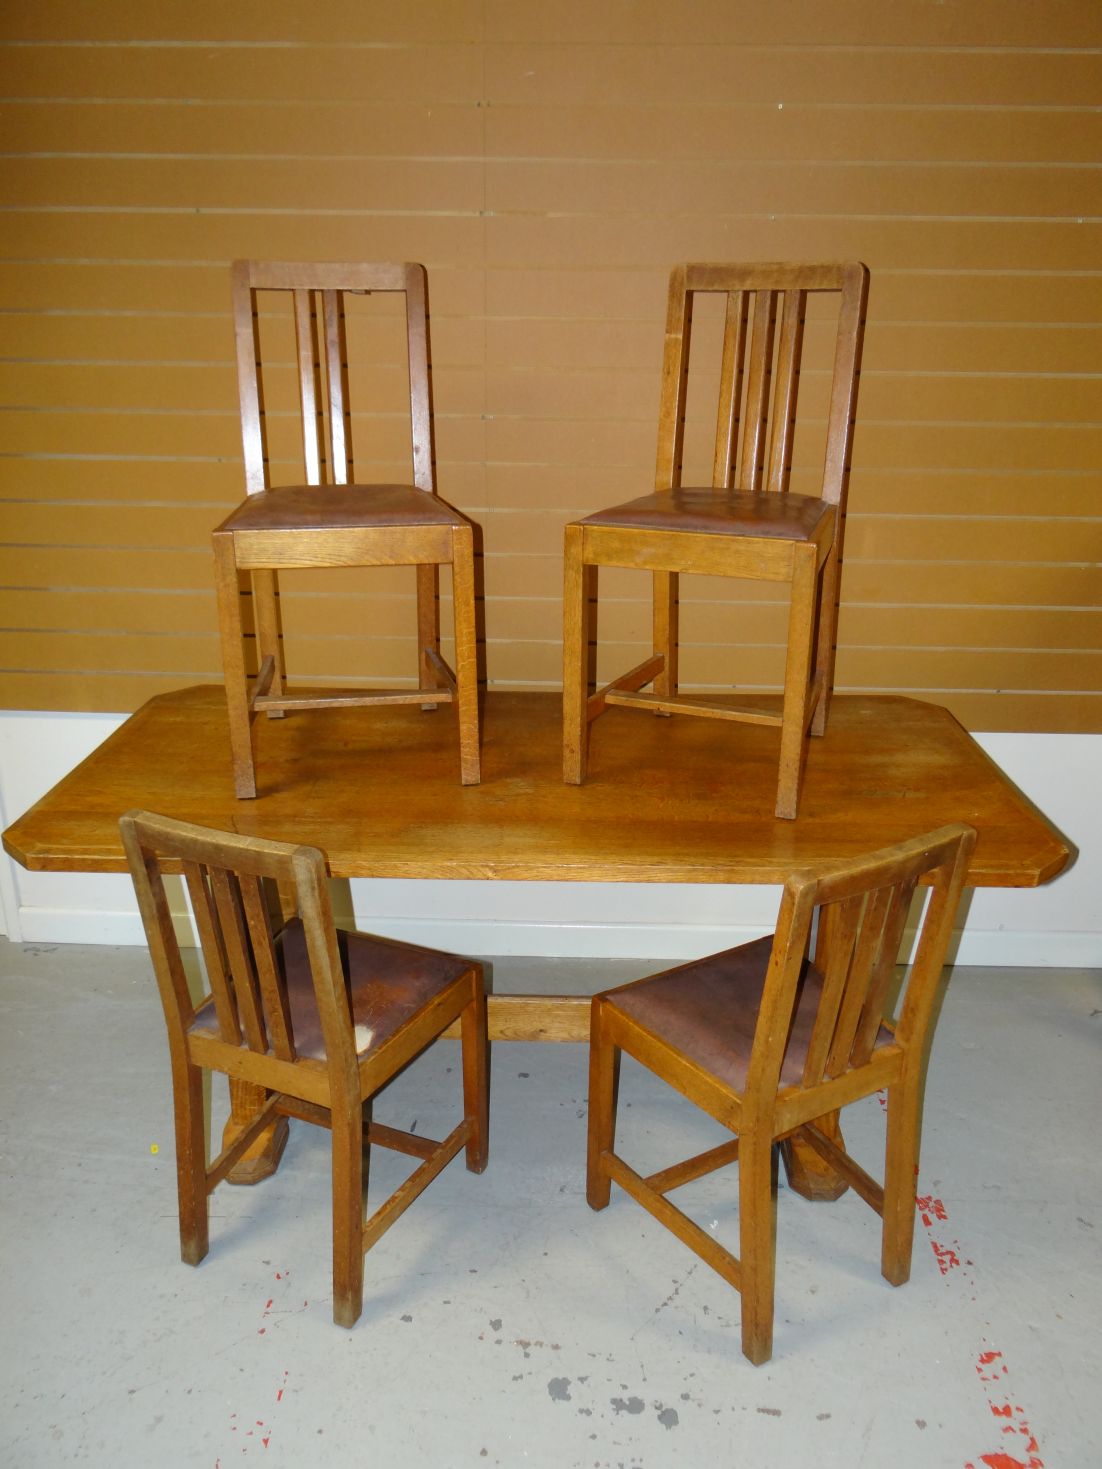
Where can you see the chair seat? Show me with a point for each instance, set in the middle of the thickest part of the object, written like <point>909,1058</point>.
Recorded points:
<point>328,507</point>
<point>708,1010</point>
<point>389,983</point>
<point>720,512</point>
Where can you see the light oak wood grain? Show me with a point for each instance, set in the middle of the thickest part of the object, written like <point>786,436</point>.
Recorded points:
<point>374,788</point>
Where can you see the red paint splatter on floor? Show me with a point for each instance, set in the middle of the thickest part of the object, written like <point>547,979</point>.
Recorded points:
<point>992,1372</point>
<point>932,1212</point>
<point>265,1432</point>
<point>990,1366</point>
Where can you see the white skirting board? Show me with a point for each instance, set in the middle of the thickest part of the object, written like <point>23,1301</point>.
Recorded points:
<point>1059,925</point>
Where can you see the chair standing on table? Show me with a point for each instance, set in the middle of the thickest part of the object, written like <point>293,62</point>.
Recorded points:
<point>772,1045</point>
<point>331,521</point>
<point>747,523</point>
<point>320,1018</point>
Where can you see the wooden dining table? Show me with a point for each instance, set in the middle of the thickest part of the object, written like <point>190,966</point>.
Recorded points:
<point>666,801</point>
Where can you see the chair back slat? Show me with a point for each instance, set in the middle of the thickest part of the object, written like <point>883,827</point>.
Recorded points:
<point>272,983</point>
<point>860,1043</point>
<point>420,378</point>
<point>231,920</point>
<point>868,964</point>
<point>787,374</point>
<point>847,373</point>
<point>731,371</point>
<point>318,293</point>
<point>863,909</point>
<point>844,928</point>
<point>336,381</point>
<point>168,966</point>
<point>249,380</point>
<point>751,464</point>
<point>306,347</point>
<point>226,877</point>
<point>760,373</point>
<point>675,381</point>
<point>214,952</point>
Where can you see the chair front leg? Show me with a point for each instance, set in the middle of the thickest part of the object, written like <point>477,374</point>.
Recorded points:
<point>665,632</point>
<point>476,1099</point>
<point>900,1171</point>
<point>466,655</point>
<point>428,628</point>
<point>191,1160</point>
<point>579,583</point>
<point>797,678</point>
<point>269,632</point>
<point>825,650</point>
<point>757,1244</point>
<point>604,1076</point>
<point>232,637</point>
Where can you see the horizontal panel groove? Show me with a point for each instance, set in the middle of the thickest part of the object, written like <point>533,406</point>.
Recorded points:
<point>490,42</point>
<point>623,161</point>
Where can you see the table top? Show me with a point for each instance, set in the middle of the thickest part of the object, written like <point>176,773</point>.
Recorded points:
<point>667,800</point>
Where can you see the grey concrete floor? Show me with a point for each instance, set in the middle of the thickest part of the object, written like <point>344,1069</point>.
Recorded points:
<point>504,1322</point>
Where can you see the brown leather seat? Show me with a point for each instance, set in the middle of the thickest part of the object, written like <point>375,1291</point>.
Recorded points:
<point>708,1012</point>
<point>387,983</point>
<point>732,513</point>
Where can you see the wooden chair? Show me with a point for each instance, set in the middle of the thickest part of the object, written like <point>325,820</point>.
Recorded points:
<point>320,1018</point>
<point>331,522</point>
<point>772,1045</point>
<point>746,524</point>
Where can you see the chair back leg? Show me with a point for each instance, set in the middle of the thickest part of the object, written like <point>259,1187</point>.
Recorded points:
<point>476,1100</point>
<point>191,1161</point>
<point>350,1159</point>
<point>604,1065</point>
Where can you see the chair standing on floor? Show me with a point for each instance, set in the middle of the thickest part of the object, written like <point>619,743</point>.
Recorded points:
<point>772,1045</point>
<point>747,523</point>
<point>319,1017</point>
<point>330,521</point>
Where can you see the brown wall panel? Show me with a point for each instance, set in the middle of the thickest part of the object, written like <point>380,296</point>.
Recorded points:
<point>939,491</point>
<point>247,74</point>
<point>244,185</point>
<point>720,189</point>
<point>548,165</point>
<point>98,610</point>
<point>957,136</point>
<point>349,130</point>
<point>863,23</point>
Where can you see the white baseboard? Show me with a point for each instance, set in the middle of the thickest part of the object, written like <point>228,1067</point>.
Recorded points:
<point>1059,925</point>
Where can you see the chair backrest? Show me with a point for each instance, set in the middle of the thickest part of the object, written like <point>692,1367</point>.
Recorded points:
<point>862,908</point>
<point>317,294</point>
<point>228,879</point>
<point>760,371</point>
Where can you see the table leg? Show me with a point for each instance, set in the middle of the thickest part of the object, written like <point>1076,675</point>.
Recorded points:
<point>261,1159</point>
<point>806,1171</point>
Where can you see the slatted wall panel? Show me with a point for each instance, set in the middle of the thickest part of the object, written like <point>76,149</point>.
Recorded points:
<point>548,163</point>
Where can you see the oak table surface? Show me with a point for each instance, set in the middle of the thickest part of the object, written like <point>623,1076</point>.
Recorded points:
<point>666,800</point>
